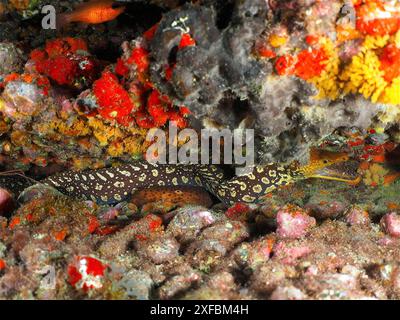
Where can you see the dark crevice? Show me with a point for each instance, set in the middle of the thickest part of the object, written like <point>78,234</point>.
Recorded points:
<point>224,14</point>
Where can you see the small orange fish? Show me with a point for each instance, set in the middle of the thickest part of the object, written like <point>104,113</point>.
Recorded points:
<point>92,12</point>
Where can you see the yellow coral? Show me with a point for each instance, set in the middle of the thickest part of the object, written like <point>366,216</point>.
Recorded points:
<point>375,175</point>
<point>83,163</point>
<point>2,105</point>
<point>134,146</point>
<point>77,128</point>
<point>277,41</point>
<point>118,140</point>
<point>391,94</point>
<point>363,74</point>
<point>115,149</point>
<point>20,4</point>
<point>104,133</point>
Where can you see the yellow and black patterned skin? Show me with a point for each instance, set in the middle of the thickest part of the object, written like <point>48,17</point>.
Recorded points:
<point>113,185</point>
<point>116,184</point>
<point>250,187</point>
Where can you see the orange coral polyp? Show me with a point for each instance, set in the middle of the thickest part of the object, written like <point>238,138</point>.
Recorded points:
<point>186,41</point>
<point>140,57</point>
<point>372,17</point>
<point>306,65</point>
<point>285,65</point>
<point>310,63</point>
<point>379,27</point>
<point>390,62</point>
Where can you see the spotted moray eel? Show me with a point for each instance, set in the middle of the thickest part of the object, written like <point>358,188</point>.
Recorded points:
<point>116,184</point>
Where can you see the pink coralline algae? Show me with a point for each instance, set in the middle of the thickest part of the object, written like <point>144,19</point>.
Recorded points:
<point>391,224</point>
<point>289,253</point>
<point>357,216</point>
<point>23,94</point>
<point>255,254</point>
<point>293,223</point>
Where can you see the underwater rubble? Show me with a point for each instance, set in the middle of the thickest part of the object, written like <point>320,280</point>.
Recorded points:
<point>245,252</point>
<point>304,74</point>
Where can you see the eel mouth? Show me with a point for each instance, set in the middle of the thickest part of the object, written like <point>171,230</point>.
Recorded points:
<point>342,171</point>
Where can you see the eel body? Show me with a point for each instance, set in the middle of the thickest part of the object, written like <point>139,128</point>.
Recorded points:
<point>116,184</point>
<point>113,185</point>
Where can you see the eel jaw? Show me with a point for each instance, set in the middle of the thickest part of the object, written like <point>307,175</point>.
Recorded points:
<point>343,172</point>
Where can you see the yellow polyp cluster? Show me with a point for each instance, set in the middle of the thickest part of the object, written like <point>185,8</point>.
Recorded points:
<point>277,41</point>
<point>82,163</point>
<point>327,83</point>
<point>103,133</point>
<point>130,145</point>
<point>363,74</point>
<point>20,4</point>
<point>391,95</point>
<point>77,128</point>
<point>375,175</point>
<point>118,141</point>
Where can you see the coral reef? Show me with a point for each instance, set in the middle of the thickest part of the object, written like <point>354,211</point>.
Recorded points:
<point>302,74</point>
<point>291,79</point>
<point>199,253</point>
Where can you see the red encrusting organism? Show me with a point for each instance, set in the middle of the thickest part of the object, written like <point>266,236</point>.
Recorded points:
<point>373,19</point>
<point>121,69</point>
<point>390,62</point>
<point>140,57</point>
<point>66,61</point>
<point>238,211</point>
<point>114,101</point>
<point>86,273</point>
<point>186,41</point>
<point>141,102</point>
<point>266,53</point>
<point>149,34</point>
<point>306,65</point>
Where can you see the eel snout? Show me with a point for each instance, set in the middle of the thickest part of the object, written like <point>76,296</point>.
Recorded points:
<point>342,171</point>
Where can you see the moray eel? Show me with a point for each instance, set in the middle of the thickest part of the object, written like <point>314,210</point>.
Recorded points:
<point>113,185</point>
<point>116,184</point>
<point>251,187</point>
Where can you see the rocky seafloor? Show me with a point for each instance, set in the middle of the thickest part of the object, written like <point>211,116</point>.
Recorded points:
<point>304,74</point>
